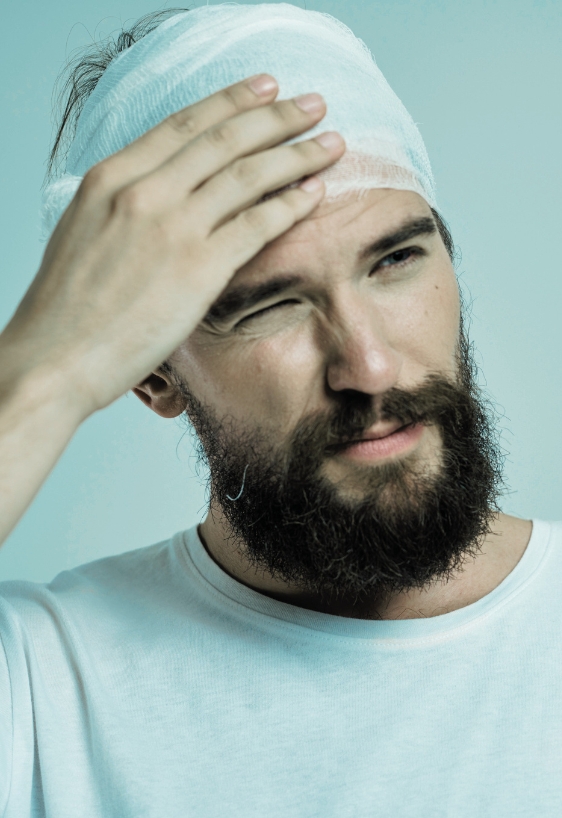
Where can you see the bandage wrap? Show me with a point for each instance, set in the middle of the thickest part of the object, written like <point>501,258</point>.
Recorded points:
<point>196,53</point>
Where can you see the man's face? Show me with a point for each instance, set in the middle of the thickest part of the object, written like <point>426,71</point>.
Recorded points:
<point>329,394</point>
<point>349,321</point>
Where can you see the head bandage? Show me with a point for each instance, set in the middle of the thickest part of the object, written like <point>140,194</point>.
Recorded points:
<point>196,53</point>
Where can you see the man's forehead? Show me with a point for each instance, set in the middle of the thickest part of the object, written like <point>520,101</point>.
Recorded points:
<point>336,230</point>
<point>316,259</point>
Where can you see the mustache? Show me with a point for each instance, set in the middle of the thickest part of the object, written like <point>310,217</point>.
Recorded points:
<point>434,400</point>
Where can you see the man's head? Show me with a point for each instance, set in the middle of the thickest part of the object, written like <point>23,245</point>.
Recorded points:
<point>346,327</point>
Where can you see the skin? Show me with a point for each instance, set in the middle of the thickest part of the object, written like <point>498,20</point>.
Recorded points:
<point>363,325</point>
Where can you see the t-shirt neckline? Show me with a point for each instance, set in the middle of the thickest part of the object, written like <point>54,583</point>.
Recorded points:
<point>247,602</point>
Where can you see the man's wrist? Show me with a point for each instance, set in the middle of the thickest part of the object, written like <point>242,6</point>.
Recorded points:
<point>26,388</point>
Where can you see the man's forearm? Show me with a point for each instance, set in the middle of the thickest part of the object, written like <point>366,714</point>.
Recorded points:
<point>37,420</point>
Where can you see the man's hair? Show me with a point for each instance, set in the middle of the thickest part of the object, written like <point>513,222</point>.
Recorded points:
<point>83,71</point>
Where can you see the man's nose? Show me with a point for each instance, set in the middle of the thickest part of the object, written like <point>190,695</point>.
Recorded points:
<point>361,357</point>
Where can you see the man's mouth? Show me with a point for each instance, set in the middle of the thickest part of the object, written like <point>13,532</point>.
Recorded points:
<point>385,440</point>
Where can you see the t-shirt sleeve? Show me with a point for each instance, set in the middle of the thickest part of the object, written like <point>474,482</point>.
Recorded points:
<point>6,708</point>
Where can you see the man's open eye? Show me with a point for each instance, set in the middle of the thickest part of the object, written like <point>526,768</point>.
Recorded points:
<point>399,258</point>
<point>267,310</point>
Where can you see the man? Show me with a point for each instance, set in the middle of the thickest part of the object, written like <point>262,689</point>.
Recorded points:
<point>355,629</point>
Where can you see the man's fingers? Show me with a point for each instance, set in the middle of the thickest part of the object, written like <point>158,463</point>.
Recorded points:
<point>244,182</point>
<point>221,148</point>
<point>242,237</point>
<point>155,146</point>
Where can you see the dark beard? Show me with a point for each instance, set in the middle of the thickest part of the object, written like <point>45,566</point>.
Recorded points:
<point>409,527</point>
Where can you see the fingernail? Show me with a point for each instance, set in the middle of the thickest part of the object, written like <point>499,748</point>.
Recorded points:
<point>329,140</point>
<point>310,102</point>
<point>262,84</point>
<point>311,185</point>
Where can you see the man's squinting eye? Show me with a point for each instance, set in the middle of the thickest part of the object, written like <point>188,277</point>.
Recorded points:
<point>267,310</point>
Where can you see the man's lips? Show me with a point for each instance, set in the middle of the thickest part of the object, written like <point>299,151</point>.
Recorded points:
<point>380,431</point>
<point>384,440</point>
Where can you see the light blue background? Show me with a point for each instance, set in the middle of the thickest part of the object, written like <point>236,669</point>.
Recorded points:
<point>483,81</point>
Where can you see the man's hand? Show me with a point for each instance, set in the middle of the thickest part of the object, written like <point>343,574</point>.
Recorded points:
<point>153,235</point>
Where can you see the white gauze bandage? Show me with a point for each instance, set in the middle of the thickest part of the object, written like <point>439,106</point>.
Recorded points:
<point>196,53</point>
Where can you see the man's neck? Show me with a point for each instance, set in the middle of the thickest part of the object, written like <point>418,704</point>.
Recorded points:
<point>500,552</point>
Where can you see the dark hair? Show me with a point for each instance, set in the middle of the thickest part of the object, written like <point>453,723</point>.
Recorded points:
<point>82,73</point>
<point>445,234</point>
<point>84,70</point>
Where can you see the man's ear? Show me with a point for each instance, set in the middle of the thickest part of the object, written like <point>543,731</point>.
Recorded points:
<point>160,394</point>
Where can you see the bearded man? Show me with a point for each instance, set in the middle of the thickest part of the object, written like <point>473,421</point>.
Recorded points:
<point>355,629</point>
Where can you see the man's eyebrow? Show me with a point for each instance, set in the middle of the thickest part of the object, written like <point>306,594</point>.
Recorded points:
<point>409,230</point>
<point>248,295</point>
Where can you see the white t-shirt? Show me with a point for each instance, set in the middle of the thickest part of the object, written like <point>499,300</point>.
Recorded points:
<point>153,685</point>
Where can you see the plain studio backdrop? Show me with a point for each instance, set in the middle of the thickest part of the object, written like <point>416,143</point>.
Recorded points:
<point>482,80</point>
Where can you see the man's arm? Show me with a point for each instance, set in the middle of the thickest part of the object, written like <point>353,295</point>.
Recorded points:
<point>37,420</point>
<point>152,237</point>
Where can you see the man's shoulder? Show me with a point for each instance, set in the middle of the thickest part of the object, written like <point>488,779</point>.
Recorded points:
<point>94,616</point>
<point>124,579</point>
<point>127,567</point>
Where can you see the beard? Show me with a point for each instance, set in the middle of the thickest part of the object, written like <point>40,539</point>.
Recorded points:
<point>406,523</point>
